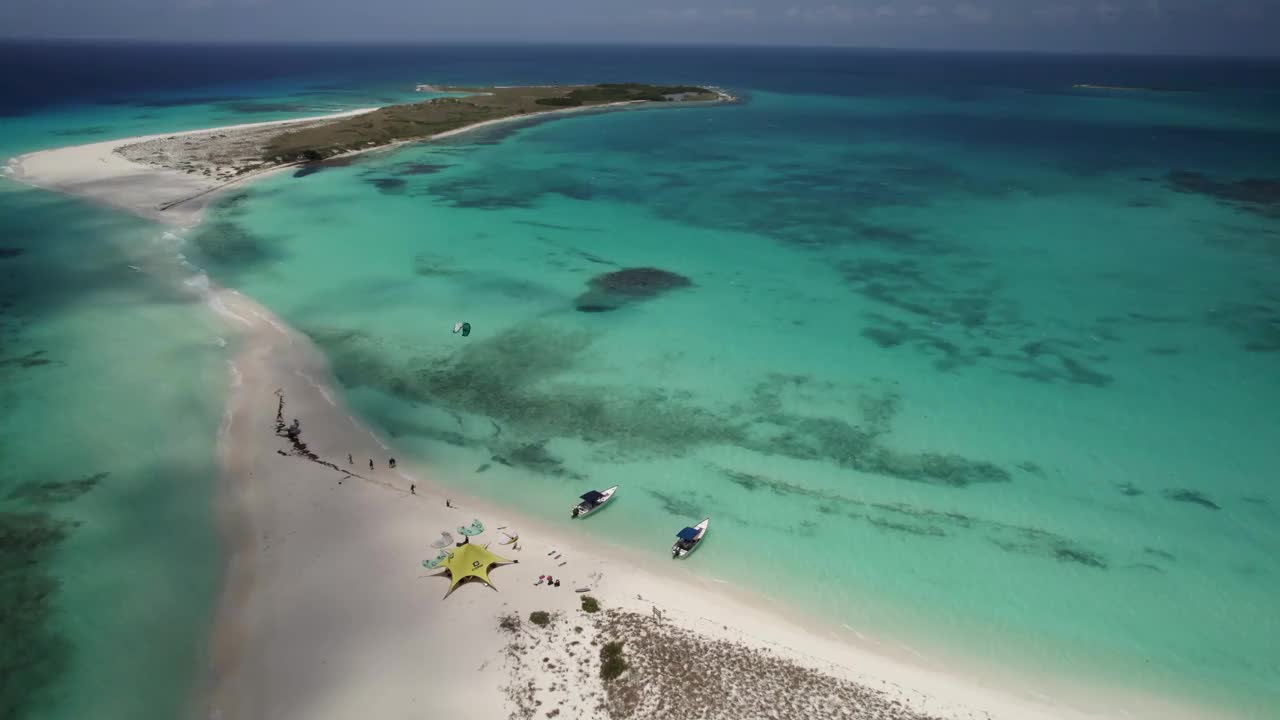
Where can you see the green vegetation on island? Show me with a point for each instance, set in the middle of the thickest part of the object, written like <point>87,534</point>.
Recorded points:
<point>611,662</point>
<point>432,117</point>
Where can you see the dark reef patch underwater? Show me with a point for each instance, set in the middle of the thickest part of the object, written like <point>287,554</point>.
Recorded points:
<point>611,291</point>
<point>1259,195</point>
<point>521,379</point>
<point>34,655</point>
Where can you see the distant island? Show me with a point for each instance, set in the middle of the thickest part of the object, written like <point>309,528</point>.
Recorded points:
<point>433,117</point>
<point>172,177</point>
<point>1126,88</point>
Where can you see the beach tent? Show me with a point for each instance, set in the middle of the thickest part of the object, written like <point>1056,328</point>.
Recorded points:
<point>471,561</point>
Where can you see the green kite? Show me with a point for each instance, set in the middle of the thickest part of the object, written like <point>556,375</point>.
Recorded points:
<point>471,561</point>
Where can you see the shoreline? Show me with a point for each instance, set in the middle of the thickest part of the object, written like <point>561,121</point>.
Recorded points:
<point>99,173</point>
<point>96,172</point>
<point>274,356</point>
<point>260,521</point>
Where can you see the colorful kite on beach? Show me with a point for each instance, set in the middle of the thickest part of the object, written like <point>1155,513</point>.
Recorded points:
<point>475,528</point>
<point>436,562</point>
<point>444,541</point>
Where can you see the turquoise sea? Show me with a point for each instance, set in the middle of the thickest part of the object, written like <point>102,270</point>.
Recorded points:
<point>954,353</point>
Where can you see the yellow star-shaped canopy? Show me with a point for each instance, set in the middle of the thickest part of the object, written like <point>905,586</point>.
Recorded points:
<point>470,561</point>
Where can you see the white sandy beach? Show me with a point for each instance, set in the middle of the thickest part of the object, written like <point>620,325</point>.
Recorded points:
<point>101,173</point>
<point>96,171</point>
<point>328,613</point>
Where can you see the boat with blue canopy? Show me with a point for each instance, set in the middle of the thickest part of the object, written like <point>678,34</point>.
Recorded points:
<point>591,501</point>
<point>688,539</point>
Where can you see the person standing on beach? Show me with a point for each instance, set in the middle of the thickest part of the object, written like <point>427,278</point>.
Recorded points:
<point>413,489</point>
<point>370,463</point>
<point>350,460</point>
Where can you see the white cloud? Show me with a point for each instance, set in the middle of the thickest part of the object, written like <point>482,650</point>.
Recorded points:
<point>926,11</point>
<point>678,15</point>
<point>743,14</point>
<point>1106,11</point>
<point>972,13</point>
<point>829,14</point>
<point>1057,13</point>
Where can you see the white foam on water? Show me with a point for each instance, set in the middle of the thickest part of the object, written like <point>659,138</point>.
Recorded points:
<point>198,282</point>
<point>237,378</point>
<point>271,321</point>
<point>324,392</point>
<point>220,341</point>
<point>216,304</point>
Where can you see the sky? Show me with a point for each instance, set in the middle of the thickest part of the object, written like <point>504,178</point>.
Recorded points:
<point>1215,27</point>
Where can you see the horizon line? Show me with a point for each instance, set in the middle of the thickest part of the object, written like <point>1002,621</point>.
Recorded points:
<point>627,43</point>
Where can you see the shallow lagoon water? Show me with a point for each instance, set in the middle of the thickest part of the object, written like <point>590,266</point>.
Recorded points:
<point>999,352</point>
<point>108,417</point>
<point>996,384</point>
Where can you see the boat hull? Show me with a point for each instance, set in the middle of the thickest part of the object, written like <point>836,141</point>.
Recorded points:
<point>581,510</point>
<point>678,551</point>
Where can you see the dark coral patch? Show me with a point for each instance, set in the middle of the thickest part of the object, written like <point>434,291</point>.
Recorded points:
<point>55,491</point>
<point>30,360</point>
<point>231,247</point>
<point>1195,497</point>
<point>535,456</point>
<point>10,252</point>
<point>1256,194</point>
<point>34,654</point>
<point>611,291</point>
<point>1257,325</point>
<point>262,107</point>
<point>391,186</point>
<point>88,130</point>
<point>1128,489</point>
<point>1078,555</point>
<point>419,168</point>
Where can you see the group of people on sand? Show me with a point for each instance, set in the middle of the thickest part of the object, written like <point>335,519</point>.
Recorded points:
<point>351,461</point>
<point>391,463</point>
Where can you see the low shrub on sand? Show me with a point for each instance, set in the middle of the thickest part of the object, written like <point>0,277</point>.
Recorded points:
<point>590,604</point>
<point>540,617</point>
<point>611,663</point>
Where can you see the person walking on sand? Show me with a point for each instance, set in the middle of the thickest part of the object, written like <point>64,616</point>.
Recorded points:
<point>350,460</point>
<point>370,463</point>
<point>392,463</point>
<point>448,503</point>
<point>413,489</point>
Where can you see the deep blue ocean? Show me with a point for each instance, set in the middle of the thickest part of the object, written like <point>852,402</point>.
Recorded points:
<point>1000,349</point>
